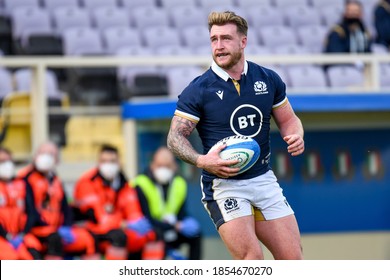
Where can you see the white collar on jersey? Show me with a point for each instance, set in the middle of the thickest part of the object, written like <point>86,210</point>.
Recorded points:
<point>223,74</point>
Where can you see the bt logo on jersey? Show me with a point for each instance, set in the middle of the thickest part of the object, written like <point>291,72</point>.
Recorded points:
<point>246,120</point>
<point>243,121</point>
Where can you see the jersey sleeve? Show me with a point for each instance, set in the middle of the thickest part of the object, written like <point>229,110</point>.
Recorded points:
<point>188,105</point>
<point>280,97</point>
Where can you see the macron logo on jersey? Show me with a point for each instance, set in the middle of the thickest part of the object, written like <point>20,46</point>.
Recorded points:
<point>260,88</point>
<point>220,94</point>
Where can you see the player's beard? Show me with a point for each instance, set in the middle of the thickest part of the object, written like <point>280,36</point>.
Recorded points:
<point>234,59</point>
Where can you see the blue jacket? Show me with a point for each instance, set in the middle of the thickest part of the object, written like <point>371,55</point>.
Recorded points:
<point>338,40</point>
<point>382,22</point>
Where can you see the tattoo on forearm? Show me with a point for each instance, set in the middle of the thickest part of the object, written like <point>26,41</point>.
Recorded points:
<point>178,141</point>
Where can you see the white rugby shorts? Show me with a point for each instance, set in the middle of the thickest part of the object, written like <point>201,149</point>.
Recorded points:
<point>260,196</point>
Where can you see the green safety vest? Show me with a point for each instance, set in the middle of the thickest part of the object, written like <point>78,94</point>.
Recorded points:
<point>177,192</point>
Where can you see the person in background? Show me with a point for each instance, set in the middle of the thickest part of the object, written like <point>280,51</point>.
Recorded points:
<point>16,241</point>
<point>112,210</point>
<point>382,23</point>
<point>350,35</point>
<point>163,194</point>
<point>51,215</point>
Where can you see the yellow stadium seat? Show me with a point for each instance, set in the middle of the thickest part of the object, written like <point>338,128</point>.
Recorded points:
<point>16,123</point>
<point>86,134</point>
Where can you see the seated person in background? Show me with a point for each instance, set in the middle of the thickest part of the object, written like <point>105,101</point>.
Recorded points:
<point>350,35</point>
<point>111,208</point>
<point>15,240</point>
<point>382,23</point>
<point>162,195</point>
<point>51,214</point>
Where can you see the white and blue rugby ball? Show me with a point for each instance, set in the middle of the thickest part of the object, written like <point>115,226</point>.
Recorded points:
<point>243,148</point>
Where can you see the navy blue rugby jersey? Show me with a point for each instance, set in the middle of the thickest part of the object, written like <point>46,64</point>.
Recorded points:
<point>214,103</point>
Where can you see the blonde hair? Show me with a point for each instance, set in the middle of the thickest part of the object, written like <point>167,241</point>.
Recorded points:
<point>222,18</point>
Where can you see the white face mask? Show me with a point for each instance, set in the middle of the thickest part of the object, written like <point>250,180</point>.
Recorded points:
<point>109,170</point>
<point>45,162</point>
<point>7,170</point>
<point>163,175</point>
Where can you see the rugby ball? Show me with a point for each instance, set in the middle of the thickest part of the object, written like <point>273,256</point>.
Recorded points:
<point>243,148</point>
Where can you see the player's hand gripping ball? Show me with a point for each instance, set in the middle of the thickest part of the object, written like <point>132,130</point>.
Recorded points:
<point>243,148</point>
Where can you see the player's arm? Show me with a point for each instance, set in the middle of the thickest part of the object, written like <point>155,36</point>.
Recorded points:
<point>181,128</point>
<point>178,142</point>
<point>290,127</point>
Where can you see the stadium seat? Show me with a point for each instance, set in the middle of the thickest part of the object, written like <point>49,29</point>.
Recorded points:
<point>127,74</point>
<point>270,16</point>
<point>379,49</point>
<point>6,86</point>
<point>184,16</point>
<point>82,41</point>
<point>122,71</point>
<point>291,49</point>
<point>209,4</point>
<point>33,33</point>
<point>51,5</point>
<point>331,15</point>
<point>173,50</point>
<point>252,37</point>
<point>106,16</point>
<point>345,77</point>
<point>202,50</point>
<point>226,7</point>
<point>297,16</point>
<point>93,4</point>
<point>287,4</point>
<point>249,4</point>
<point>180,77</point>
<point>23,83</point>
<point>159,36</point>
<point>10,5</point>
<point>171,4</point>
<point>320,4</point>
<point>385,76</point>
<point>27,20</point>
<point>312,37</point>
<point>281,71</point>
<point>115,38</point>
<point>196,36</point>
<point>252,49</point>
<point>132,4</point>
<point>15,125</point>
<point>274,36</point>
<point>86,134</point>
<point>306,76</point>
<point>145,17</point>
<point>70,17</point>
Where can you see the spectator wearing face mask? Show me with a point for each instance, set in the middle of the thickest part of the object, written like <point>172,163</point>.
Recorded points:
<point>50,213</point>
<point>16,241</point>
<point>111,209</point>
<point>350,35</point>
<point>162,195</point>
<point>382,23</point>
